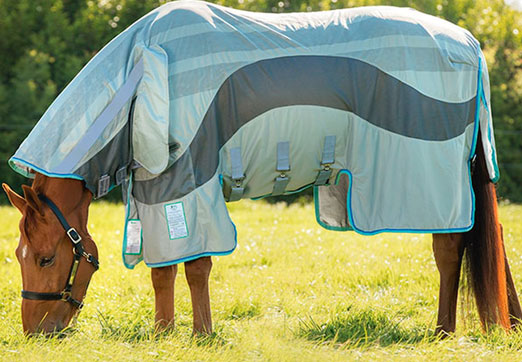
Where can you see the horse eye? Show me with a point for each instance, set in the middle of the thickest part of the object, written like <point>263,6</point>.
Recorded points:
<point>46,261</point>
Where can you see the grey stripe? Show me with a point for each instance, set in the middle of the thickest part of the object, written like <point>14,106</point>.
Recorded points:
<point>217,41</point>
<point>251,34</point>
<point>340,83</point>
<point>399,59</point>
<point>120,99</point>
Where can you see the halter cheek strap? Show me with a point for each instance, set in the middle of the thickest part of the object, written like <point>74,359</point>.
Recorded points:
<point>78,252</point>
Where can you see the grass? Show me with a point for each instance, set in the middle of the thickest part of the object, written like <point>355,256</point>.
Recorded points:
<point>292,291</point>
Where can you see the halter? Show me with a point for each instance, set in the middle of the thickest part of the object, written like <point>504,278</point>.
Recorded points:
<point>78,253</point>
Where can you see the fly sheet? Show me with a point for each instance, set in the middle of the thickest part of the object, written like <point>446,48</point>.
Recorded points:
<point>195,104</point>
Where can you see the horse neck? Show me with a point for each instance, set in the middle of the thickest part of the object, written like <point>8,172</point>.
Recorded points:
<point>68,194</point>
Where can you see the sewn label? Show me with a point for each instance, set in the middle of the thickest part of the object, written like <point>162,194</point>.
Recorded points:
<point>176,220</point>
<point>133,237</point>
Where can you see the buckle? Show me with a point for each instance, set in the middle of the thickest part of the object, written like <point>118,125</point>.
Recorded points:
<point>324,175</point>
<point>74,236</point>
<point>66,296</point>
<point>238,180</point>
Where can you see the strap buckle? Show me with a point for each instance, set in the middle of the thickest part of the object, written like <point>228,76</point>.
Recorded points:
<point>328,159</point>
<point>282,166</point>
<point>236,191</point>
<point>74,236</point>
<point>66,296</point>
<point>324,175</point>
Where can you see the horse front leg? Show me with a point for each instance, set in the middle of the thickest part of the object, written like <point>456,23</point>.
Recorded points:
<point>448,250</point>
<point>197,273</point>
<point>163,282</point>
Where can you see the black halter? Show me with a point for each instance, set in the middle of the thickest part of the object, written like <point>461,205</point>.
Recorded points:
<point>78,253</point>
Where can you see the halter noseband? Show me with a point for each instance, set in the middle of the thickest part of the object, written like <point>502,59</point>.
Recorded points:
<point>78,253</point>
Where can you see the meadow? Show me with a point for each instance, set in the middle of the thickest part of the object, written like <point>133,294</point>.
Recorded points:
<point>292,291</point>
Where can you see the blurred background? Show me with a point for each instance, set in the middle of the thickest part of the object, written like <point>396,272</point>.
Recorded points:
<point>44,43</point>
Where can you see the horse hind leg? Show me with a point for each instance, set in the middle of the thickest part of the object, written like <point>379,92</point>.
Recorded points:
<point>163,282</point>
<point>448,250</point>
<point>197,273</point>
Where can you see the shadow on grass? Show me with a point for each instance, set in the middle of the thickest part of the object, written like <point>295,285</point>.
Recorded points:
<point>362,328</point>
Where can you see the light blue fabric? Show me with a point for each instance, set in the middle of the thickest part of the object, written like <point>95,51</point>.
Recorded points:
<point>404,93</point>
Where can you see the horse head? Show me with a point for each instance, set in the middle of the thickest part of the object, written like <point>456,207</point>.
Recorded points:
<point>57,255</point>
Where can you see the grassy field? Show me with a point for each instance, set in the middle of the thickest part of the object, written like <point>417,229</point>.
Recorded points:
<point>292,291</point>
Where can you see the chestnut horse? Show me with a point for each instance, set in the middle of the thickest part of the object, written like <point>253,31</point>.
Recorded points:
<point>54,216</point>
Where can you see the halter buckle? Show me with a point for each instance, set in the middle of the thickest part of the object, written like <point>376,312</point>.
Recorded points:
<point>88,257</point>
<point>74,236</point>
<point>66,296</point>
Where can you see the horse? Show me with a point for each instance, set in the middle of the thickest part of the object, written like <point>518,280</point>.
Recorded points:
<point>47,263</point>
<point>195,104</point>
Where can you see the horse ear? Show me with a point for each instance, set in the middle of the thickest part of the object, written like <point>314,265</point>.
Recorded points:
<point>32,199</point>
<point>15,199</point>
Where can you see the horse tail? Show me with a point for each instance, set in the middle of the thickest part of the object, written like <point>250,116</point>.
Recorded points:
<point>486,270</point>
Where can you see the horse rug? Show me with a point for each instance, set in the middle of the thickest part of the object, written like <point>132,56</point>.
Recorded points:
<point>377,108</point>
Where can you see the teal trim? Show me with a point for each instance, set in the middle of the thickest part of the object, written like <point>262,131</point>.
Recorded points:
<point>477,117</point>
<point>189,258</point>
<point>14,160</point>
<point>124,244</point>
<point>318,214</point>
<point>389,230</point>
<point>494,155</point>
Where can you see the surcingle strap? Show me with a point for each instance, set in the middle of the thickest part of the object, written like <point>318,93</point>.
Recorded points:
<point>237,189</point>
<point>326,162</point>
<point>283,166</point>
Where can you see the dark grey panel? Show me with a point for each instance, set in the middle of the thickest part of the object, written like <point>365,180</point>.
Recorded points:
<point>115,155</point>
<point>336,82</point>
<point>340,83</point>
<point>172,184</point>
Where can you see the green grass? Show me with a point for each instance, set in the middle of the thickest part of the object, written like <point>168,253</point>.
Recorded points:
<point>292,291</point>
